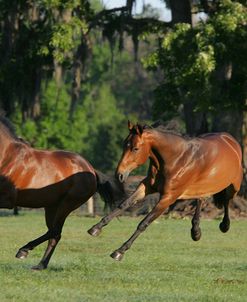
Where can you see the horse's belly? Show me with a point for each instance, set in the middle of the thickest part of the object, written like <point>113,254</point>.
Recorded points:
<point>203,189</point>
<point>207,185</point>
<point>222,173</point>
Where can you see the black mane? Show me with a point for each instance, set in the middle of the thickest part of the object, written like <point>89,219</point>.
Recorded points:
<point>170,127</point>
<point>6,124</point>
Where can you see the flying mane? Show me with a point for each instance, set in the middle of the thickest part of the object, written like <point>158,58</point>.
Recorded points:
<point>7,127</point>
<point>166,129</point>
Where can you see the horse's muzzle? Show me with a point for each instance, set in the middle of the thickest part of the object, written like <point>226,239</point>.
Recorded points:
<point>122,176</point>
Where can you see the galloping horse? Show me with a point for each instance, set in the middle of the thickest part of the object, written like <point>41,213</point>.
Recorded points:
<point>180,168</point>
<point>59,181</point>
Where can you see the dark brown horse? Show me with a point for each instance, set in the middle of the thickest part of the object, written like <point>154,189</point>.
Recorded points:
<point>180,168</point>
<point>59,181</point>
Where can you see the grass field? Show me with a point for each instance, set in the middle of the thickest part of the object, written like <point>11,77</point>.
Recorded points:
<point>164,264</point>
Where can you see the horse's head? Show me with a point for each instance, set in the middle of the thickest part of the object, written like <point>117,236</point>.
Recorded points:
<point>136,151</point>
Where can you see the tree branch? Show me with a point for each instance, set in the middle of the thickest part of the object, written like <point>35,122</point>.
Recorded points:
<point>98,18</point>
<point>125,17</point>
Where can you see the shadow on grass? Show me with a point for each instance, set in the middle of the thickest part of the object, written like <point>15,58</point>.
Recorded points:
<point>13,267</point>
<point>4,213</point>
<point>55,269</point>
<point>242,268</point>
<point>27,267</point>
<point>228,281</point>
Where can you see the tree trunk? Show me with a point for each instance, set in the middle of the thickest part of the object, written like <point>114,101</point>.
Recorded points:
<point>90,206</point>
<point>233,120</point>
<point>78,73</point>
<point>196,122</point>
<point>230,121</point>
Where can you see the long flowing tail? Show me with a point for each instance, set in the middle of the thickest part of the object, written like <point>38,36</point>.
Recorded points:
<point>110,189</point>
<point>8,193</point>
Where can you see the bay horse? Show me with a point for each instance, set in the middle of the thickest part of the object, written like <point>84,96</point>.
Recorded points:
<point>180,168</point>
<point>58,181</point>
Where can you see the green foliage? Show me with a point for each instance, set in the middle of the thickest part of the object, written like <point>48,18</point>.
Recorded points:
<point>191,59</point>
<point>66,37</point>
<point>96,130</point>
<point>53,130</point>
<point>34,36</point>
<point>106,130</point>
<point>44,38</point>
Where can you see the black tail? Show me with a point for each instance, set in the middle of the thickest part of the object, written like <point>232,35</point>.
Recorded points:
<point>8,193</point>
<point>110,189</point>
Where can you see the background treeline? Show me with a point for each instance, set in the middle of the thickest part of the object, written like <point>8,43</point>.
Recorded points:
<point>72,72</point>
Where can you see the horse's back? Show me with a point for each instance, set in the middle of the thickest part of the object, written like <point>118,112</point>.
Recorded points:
<point>227,139</point>
<point>34,168</point>
<point>62,164</point>
<point>228,151</point>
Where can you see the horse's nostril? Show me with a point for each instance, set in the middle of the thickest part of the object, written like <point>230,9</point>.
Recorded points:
<point>121,177</point>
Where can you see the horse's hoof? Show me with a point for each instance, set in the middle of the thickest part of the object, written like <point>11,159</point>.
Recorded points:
<point>38,267</point>
<point>196,235</point>
<point>118,256</point>
<point>94,231</point>
<point>224,227</point>
<point>22,254</point>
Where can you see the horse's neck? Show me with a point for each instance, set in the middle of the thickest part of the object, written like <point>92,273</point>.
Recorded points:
<point>165,147</point>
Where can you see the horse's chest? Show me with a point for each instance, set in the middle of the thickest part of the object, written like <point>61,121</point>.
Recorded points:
<point>157,182</point>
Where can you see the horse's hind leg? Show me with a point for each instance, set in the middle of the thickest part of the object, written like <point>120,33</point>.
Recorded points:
<point>195,230</point>
<point>24,250</point>
<point>55,224</point>
<point>222,199</point>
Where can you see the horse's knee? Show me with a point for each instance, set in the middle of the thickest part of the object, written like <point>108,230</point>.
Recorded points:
<point>54,234</point>
<point>54,241</point>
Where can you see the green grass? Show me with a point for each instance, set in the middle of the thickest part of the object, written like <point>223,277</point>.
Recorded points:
<point>164,264</point>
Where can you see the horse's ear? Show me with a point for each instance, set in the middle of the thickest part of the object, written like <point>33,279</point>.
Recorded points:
<point>130,126</point>
<point>139,129</point>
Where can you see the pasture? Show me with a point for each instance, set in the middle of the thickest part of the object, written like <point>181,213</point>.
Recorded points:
<point>164,264</point>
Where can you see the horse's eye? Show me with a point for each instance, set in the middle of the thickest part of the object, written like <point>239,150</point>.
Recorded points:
<point>135,149</point>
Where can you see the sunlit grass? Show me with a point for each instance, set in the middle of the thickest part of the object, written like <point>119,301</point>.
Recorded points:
<point>164,264</point>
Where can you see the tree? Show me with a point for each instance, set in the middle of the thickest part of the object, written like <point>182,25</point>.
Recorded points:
<point>39,38</point>
<point>54,43</point>
<point>205,65</point>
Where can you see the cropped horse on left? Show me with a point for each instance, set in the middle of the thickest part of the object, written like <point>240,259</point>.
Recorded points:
<point>58,181</point>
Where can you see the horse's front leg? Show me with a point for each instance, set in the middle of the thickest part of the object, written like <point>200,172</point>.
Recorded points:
<point>161,206</point>
<point>139,194</point>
